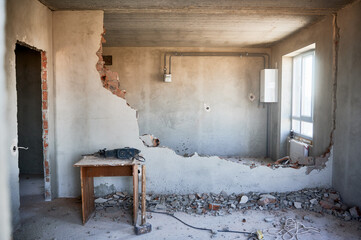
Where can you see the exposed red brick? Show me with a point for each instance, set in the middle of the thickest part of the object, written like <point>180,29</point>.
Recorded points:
<point>45,85</point>
<point>45,124</point>
<point>45,96</point>
<point>214,206</point>
<point>113,85</point>
<point>99,67</point>
<point>110,79</point>
<point>45,105</point>
<point>43,56</point>
<point>45,144</point>
<point>120,93</point>
<point>44,75</point>
<point>111,76</point>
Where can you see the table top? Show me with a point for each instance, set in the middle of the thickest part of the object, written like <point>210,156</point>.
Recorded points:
<point>95,161</point>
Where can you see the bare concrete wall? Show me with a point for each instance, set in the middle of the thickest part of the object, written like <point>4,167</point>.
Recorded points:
<point>88,116</point>
<point>31,24</point>
<point>175,112</point>
<point>347,164</point>
<point>5,216</point>
<point>321,35</point>
<point>170,173</point>
<point>346,176</point>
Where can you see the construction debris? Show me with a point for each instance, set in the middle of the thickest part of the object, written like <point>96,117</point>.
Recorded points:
<point>149,140</point>
<point>316,199</point>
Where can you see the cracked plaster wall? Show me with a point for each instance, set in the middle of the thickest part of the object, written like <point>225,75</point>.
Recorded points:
<point>89,117</point>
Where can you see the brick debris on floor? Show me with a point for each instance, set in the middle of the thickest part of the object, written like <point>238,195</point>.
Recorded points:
<point>315,199</point>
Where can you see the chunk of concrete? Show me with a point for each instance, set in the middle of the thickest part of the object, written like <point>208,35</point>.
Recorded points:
<point>150,140</point>
<point>244,199</point>
<point>266,199</point>
<point>269,219</point>
<point>100,200</point>
<point>355,212</point>
<point>297,205</point>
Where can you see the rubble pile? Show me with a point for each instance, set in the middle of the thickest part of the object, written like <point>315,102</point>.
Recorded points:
<point>316,199</point>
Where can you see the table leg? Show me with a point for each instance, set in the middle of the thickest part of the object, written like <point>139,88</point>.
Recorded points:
<point>87,194</point>
<point>135,194</point>
<point>143,196</point>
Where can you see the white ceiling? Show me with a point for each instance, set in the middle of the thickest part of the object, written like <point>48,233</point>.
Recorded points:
<point>202,23</point>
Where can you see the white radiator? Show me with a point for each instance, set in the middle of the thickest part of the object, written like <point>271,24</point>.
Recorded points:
<point>298,151</point>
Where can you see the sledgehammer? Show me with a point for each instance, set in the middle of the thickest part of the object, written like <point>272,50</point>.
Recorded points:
<point>144,227</point>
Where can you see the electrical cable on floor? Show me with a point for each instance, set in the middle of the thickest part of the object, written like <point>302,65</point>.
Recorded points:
<point>252,235</point>
<point>292,229</point>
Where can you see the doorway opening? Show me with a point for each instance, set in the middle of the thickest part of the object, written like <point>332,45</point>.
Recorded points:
<point>32,140</point>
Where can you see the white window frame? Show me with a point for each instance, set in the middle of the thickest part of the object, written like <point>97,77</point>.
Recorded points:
<point>302,118</point>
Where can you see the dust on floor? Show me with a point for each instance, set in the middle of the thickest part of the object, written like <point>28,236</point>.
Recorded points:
<point>61,219</point>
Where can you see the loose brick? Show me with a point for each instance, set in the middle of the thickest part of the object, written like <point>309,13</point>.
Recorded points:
<point>214,206</point>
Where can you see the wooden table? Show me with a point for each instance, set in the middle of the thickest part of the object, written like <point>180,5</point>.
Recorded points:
<point>93,166</point>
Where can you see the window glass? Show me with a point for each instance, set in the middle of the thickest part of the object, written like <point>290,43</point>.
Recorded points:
<point>296,126</point>
<point>296,85</point>
<point>307,76</point>
<point>307,129</point>
<point>302,94</point>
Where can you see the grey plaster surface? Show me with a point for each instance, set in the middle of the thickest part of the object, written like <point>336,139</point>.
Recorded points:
<point>325,5</point>
<point>61,219</point>
<point>31,24</point>
<point>175,112</point>
<point>5,208</point>
<point>347,163</point>
<point>321,35</point>
<point>202,23</point>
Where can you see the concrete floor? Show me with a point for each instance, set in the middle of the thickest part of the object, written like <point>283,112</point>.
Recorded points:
<point>31,189</point>
<point>61,219</point>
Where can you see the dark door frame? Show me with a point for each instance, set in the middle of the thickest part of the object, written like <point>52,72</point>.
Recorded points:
<point>45,119</point>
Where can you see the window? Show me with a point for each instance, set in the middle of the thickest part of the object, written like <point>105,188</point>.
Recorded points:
<point>302,94</point>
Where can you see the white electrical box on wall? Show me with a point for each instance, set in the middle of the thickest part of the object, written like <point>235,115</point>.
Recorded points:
<point>167,78</point>
<point>269,85</point>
